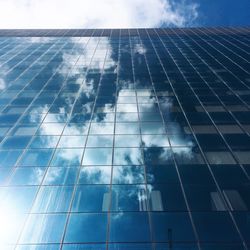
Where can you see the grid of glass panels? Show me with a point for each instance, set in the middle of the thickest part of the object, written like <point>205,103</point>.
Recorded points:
<point>125,139</point>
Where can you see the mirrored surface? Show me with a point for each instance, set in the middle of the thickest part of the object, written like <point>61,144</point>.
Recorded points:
<point>125,139</point>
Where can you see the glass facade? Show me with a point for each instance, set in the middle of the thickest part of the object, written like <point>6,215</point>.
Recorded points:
<point>125,139</point>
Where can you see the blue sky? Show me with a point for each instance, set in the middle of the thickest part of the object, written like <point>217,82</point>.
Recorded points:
<point>223,13</point>
<point>123,13</point>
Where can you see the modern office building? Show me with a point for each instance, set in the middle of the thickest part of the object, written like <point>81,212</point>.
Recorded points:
<point>132,139</point>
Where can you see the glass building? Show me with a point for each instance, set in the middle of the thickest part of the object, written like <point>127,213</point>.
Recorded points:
<point>133,139</point>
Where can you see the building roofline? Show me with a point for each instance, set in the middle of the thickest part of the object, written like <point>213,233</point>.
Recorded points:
<point>116,32</point>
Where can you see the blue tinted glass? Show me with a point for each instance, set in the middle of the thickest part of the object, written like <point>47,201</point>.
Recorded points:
<point>101,128</point>
<point>126,117</point>
<point>15,142</point>
<point>129,198</point>
<point>128,156</point>
<point>4,174</point>
<point>9,119</point>
<point>127,128</point>
<point>84,202</point>
<point>172,227</point>
<point>72,142</point>
<point>129,227</point>
<point>39,247</point>
<point>158,156</point>
<point>96,156</point>
<point>86,228</point>
<point>46,141</point>
<point>97,246</point>
<point>43,228</point>
<point>155,141</point>
<point>36,157</point>
<point>152,128</point>
<point>221,246</point>
<point>95,175</point>
<point>215,226</point>
<point>27,176</point>
<point>100,141</point>
<point>130,246</point>
<point>166,197</point>
<point>243,221</point>
<point>176,246</point>
<point>76,129</point>
<point>52,199</point>
<point>128,175</point>
<point>50,129</point>
<point>9,157</point>
<point>17,199</point>
<point>67,157</point>
<point>60,176</point>
<point>161,174</point>
<point>127,141</point>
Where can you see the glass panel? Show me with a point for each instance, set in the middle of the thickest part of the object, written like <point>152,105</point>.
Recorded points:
<point>166,197</point>
<point>43,228</point>
<point>52,199</point>
<point>128,156</point>
<point>128,175</point>
<point>60,176</point>
<point>27,176</point>
<point>152,128</point>
<point>129,198</point>
<point>95,175</point>
<point>127,141</point>
<point>100,141</point>
<point>97,246</point>
<point>67,157</point>
<point>155,141</point>
<point>129,227</point>
<point>72,142</point>
<point>15,142</point>
<point>97,156</point>
<point>172,227</point>
<point>215,226</point>
<point>8,158</point>
<point>44,141</point>
<point>86,228</point>
<point>84,202</point>
<point>36,157</point>
<point>128,128</point>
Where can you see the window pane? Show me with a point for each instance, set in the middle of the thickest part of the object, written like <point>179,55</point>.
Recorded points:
<point>129,227</point>
<point>91,198</point>
<point>86,228</point>
<point>36,157</point>
<point>215,226</point>
<point>95,175</point>
<point>96,156</point>
<point>129,198</point>
<point>100,141</point>
<point>67,157</point>
<point>52,199</point>
<point>128,156</point>
<point>172,227</point>
<point>27,176</point>
<point>43,228</point>
<point>60,176</point>
<point>128,175</point>
<point>72,142</point>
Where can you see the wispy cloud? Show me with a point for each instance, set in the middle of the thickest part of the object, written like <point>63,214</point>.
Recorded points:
<point>96,13</point>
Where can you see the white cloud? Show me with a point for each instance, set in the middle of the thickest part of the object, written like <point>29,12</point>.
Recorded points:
<point>95,13</point>
<point>2,84</point>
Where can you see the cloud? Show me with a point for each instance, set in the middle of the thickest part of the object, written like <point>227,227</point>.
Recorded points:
<point>2,84</point>
<point>96,13</point>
